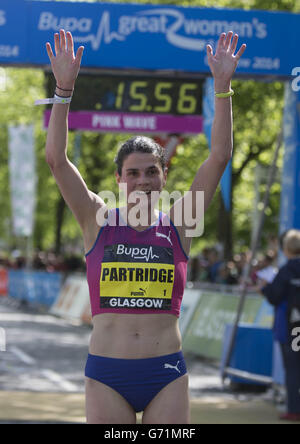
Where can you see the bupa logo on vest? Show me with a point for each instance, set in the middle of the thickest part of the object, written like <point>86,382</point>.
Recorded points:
<point>144,253</point>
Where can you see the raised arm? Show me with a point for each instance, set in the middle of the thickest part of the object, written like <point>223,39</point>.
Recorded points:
<point>65,66</point>
<point>222,65</point>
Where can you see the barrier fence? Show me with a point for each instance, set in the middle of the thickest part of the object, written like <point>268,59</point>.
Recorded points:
<point>212,313</point>
<point>207,314</point>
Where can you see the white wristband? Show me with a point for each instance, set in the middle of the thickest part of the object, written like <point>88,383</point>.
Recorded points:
<point>55,99</point>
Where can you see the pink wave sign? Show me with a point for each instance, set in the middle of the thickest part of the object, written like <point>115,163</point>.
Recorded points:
<point>132,122</point>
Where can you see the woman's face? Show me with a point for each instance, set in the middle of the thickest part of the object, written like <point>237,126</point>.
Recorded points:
<point>142,173</point>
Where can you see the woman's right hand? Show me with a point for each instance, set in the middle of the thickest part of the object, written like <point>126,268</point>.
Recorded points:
<point>65,65</point>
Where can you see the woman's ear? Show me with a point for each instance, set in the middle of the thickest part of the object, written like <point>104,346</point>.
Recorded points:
<point>165,175</point>
<point>118,178</point>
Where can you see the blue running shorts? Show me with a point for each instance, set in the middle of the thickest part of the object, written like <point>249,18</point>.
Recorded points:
<point>137,380</point>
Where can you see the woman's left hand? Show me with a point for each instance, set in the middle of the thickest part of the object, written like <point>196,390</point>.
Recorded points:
<point>224,62</point>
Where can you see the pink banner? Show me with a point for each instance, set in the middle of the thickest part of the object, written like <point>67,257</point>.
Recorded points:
<point>132,123</point>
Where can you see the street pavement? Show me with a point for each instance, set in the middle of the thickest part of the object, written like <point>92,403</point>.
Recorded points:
<point>41,376</point>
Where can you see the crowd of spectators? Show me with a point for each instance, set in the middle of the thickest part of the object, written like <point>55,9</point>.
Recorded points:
<point>208,266</point>
<point>44,261</point>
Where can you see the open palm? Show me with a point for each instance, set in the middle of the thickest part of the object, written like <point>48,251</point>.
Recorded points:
<point>224,62</point>
<point>65,65</point>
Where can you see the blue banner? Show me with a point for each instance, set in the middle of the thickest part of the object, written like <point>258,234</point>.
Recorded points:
<point>290,188</point>
<point>226,186</point>
<point>150,37</point>
<point>13,32</point>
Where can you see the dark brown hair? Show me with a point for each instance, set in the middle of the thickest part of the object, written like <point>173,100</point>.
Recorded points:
<point>139,144</point>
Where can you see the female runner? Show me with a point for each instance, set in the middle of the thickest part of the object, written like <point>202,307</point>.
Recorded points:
<point>136,271</point>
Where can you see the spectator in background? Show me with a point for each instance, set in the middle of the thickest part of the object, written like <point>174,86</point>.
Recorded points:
<point>284,293</point>
<point>227,274</point>
<point>240,261</point>
<point>198,267</point>
<point>193,269</point>
<point>39,261</point>
<point>3,262</point>
<point>203,265</point>
<point>273,244</point>
<point>266,269</point>
<point>214,264</point>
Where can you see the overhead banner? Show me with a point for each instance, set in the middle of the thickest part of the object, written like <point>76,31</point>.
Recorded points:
<point>13,31</point>
<point>22,179</point>
<point>148,37</point>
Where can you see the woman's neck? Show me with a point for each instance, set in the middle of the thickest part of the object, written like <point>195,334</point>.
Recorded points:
<point>137,218</point>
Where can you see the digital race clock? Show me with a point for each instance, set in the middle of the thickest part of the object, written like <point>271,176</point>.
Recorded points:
<point>135,104</point>
<point>132,94</point>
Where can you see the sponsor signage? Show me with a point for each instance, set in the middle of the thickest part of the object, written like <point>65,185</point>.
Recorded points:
<point>204,336</point>
<point>131,122</point>
<point>147,37</point>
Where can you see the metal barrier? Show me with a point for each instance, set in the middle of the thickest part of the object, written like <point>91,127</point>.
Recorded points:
<point>35,287</point>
